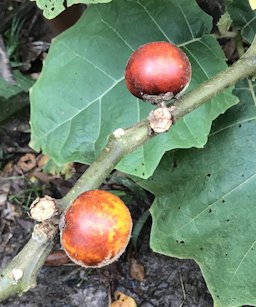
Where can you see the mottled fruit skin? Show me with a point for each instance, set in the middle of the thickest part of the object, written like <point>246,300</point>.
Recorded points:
<point>97,228</point>
<point>157,68</point>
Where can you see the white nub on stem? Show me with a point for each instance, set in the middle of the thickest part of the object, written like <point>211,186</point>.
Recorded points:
<point>17,274</point>
<point>160,119</point>
<point>43,209</point>
<point>118,133</point>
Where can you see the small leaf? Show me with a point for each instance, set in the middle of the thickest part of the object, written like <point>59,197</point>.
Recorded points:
<point>52,8</point>
<point>224,23</point>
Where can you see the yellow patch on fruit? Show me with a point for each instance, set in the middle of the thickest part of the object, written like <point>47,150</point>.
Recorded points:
<point>97,228</point>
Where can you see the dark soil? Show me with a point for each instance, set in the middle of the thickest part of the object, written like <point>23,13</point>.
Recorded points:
<point>168,282</point>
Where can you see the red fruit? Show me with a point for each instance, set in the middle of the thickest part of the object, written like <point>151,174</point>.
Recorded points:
<point>157,71</point>
<point>97,228</point>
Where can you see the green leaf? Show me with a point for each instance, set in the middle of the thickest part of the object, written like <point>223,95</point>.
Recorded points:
<point>12,97</point>
<point>205,205</point>
<point>81,95</point>
<point>12,105</point>
<point>8,90</point>
<point>243,17</point>
<point>224,23</point>
<point>52,8</point>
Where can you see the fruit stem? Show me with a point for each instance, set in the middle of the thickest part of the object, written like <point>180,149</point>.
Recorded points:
<point>243,68</point>
<point>116,149</point>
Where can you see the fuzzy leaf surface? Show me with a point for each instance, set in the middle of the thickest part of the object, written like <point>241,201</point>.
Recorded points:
<point>81,97</point>
<point>205,205</point>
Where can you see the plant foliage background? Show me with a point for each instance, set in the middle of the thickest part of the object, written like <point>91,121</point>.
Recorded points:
<point>82,89</point>
<point>205,196</point>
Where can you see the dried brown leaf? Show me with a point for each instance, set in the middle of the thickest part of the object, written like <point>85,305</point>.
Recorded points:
<point>27,162</point>
<point>137,270</point>
<point>122,300</point>
<point>57,258</point>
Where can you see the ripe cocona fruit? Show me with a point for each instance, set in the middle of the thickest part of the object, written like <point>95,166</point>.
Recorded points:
<point>157,71</point>
<point>96,229</point>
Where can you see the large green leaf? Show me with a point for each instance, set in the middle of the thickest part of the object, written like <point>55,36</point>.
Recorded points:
<point>243,17</point>
<point>205,205</point>
<point>52,8</point>
<point>81,95</point>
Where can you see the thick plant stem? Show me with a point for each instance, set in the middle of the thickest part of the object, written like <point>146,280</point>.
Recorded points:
<point>119,145</point>
<point>122,142</point>
<point>245,67</point>
<point>21,273</point>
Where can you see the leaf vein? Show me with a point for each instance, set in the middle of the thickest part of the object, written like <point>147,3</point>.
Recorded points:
<point>88,61</point>
<point>198,63</point>
<point>190,131</point>
<point>234,124</point>
<point>248,23</point>
<point>190,42</point>
<point>189,27</point>
<point>77,113</point>
<point>242,260</point>
<point>154,21</point>
<point>118,34</point>
<point>216,201</point>
<point>251,88</point>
